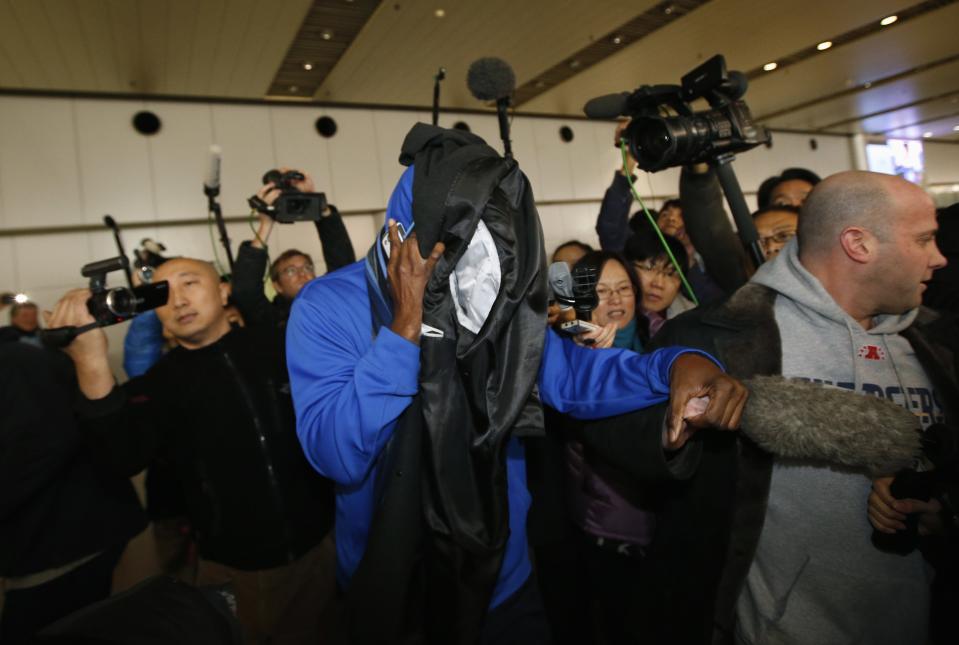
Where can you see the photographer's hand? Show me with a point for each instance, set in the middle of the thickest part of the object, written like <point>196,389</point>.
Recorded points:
<point>696,377</point>
<point>268,193</point>
<point>89,349</point>
<point>888,514</point>
<point>408,274</point>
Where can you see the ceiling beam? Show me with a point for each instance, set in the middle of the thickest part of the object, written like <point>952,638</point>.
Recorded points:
<point>328,30</point>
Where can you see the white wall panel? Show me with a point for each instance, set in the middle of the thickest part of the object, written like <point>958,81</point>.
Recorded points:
<point>942,163</point>
<point>391,129</point>
<point>39,182</point>
<point>354,164</point>
<point>114,163</point>
<point>552,156</point>
<point>592,158</point>
<point>245,134</point>
<point>180,156</point>
<point>51,260</point>
<point>299,145</point>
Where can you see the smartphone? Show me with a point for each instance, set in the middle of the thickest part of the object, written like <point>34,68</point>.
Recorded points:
<point>576,327</point>
<point>385,237</point>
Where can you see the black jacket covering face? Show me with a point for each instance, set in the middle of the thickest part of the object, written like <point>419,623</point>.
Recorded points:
<point>56,506</point>
<point>223,417</point>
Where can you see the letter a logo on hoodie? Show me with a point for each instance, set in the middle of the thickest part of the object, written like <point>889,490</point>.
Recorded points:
<point>872,353</point>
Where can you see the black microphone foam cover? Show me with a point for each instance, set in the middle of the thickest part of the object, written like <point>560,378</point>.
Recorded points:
<point>491,79</point>
<point>109,222</point>
<point>608,106</point>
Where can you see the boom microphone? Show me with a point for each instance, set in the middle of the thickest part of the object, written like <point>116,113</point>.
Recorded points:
<point>492,79</point>
<point>608,106</point>
<point>212,184</point>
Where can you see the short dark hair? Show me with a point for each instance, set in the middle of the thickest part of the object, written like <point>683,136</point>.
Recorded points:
<point>789,208</point>
<point>647,246</point>
<point>765,192</point>
<point>15,309</point>
<point>283,257</point>
<point>583,246</point>
<point>670,203</point>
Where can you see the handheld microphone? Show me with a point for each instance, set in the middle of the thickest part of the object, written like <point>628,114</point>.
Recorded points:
<point>211,186</point>
<point>584,291</point>
<point>492,79</point>
<point>561,284</point>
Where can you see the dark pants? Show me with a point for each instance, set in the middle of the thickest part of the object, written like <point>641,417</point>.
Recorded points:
<point>518,620</point>
<point>27,611</point>
<point>613,583</point>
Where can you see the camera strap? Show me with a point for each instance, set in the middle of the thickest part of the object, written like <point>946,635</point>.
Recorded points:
<point>260,206</point>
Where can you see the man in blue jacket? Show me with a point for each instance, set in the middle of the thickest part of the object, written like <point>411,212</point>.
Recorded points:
<point>350,386</point>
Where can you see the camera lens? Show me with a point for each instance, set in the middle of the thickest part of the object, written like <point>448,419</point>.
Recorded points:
<point>121,302</point>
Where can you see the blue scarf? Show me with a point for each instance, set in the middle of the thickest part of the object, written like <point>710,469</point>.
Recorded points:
<point>627,338</point>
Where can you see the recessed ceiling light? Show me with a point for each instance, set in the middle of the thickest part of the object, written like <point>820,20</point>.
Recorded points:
<point>768,67</point>
<point>669,9</point>
<point>294,89</point>
<point>574,64</point>
<point>617,40</point>
<point>866,85</point>
<point>926,135</point>
<point>888,20</point>
<point>326,34</point>
<point>540,84</point>
<point>439,13</point>
<point>307,66</point>
<point>824,45</point>
<point>955,128</point>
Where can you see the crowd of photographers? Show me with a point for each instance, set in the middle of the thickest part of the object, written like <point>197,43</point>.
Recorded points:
<point>263,428</point>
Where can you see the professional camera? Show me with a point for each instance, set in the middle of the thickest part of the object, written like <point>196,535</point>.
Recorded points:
<point>658,142</point>
<point>147,258</point>
<point>109,306</point>
<point>292,205</point>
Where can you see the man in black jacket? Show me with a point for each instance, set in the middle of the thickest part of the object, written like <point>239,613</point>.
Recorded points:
<point>777,549</point>
<point>63,521</point>
<point>218,408</point>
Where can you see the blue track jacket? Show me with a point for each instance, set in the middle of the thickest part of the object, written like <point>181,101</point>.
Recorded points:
<point>349,390</point>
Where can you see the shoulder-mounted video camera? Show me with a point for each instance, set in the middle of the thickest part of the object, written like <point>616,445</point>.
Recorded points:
<point>292,205</point>
<point>658,142</point>
<point>109,306</point>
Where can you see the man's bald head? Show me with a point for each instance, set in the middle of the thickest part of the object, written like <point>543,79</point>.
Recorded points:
<point>194,313</point>
<point>868,200</point>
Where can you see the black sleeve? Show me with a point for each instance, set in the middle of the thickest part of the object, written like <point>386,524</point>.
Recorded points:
<point>633,443</point>
<point>248,295</point>
<point>710,231</point>
<point>612,224</point>
<point>337,247</point>
<point>123,429</point>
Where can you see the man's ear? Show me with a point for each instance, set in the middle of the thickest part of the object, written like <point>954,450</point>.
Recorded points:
<point>225,290</point>
<point>859,244</point>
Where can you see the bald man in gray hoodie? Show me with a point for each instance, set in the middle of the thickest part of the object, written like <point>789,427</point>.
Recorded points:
<point>760,547</point>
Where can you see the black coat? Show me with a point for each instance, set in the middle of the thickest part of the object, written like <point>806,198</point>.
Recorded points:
<point>223,417</point>
<point>56,506</point>
<point>711,524</point>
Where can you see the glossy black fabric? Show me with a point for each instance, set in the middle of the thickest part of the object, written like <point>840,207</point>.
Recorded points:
<point>444,487</point>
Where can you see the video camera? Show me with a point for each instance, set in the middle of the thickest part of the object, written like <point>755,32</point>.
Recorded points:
<point>147,258</point>
<point>109,306</point>
<point>658,142</point>
<point>292,205</point>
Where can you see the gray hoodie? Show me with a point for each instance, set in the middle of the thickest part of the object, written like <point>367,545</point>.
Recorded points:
<point>816,577</point>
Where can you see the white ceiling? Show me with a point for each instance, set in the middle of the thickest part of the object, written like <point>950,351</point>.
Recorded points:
<point>233,49</point>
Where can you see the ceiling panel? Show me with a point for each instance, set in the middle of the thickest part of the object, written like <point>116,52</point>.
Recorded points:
<point>917,114</point>
<point>399,50</point>
<point>748,32</point>
<point>895,49</point>
<point>883,97</point>
<point>941,128</point>
<point>180,47</point>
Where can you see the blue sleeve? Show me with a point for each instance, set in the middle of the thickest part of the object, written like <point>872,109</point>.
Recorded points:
<point>590,384</point>
<point>347,392</point>
<point>143,344</point>
<point>612,224</point>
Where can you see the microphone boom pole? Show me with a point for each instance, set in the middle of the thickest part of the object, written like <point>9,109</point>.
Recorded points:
<point>211,188</point>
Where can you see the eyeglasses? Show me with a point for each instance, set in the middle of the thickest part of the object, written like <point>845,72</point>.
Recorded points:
<point>292,271</point>
<point>666,270</point>
<point>605,293</point>
<point>780,238</point>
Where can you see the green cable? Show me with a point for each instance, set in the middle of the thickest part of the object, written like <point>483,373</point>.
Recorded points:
<point>652,220</point>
